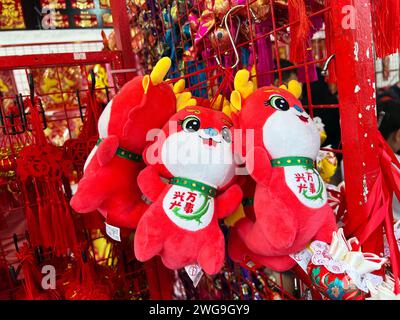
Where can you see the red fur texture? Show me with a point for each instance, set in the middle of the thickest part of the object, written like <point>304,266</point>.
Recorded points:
<point>183,241</point>
<point>109,182</point>
<point>285,221</point>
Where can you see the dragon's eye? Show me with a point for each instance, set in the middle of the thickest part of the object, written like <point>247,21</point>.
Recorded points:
<point>278,102</point>
<point>191,124</point>
<point>226,134</point>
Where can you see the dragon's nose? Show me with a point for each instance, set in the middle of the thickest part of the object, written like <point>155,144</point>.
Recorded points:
<point>211,132</point>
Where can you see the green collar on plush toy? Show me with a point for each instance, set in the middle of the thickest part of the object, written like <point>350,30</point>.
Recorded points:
<point>203,188</point>
<point>293,161</point>
<point>248,202</point>
<point>126,154</point>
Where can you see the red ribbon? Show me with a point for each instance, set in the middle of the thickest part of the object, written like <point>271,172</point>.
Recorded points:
<point>379,205</point>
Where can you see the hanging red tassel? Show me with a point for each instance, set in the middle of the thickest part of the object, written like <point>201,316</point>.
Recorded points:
<point>36,123</point>
<point>44,216</point>
<point>60,242</point>
<point>26,258</point>
<point>379,212</point>
<point>93,112</point>
<point>68,224</point>
<point>299,30</point>
<point>386,24</point>
<point>86,285</point>
<point>32,277</point>
<point>32,222</point>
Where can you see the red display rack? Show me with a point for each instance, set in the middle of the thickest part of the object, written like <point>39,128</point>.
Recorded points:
<point>347,57</point>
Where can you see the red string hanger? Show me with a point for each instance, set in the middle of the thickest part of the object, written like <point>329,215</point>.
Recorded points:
<point>225,88</point>
<point>93,111</point>
<point>77,150</point>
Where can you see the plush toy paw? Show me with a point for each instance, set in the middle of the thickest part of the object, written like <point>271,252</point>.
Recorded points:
<point>212,255</point>
<point>86,199</point>
<point>148,241</point>
<point>240,253</point>
<point>106,149</point>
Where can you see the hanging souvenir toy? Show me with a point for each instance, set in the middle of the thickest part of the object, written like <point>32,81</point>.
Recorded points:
<point>368,225</point>
<point>181,225</point>
<point>340,271</point>
<point>327,164</point>
<point>110,172</point>
<point>246,209</point>
<point>326,160</point>
<point>384,291</point>
<point>290,201</point>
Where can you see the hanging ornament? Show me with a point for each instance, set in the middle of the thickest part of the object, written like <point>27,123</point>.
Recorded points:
<point>299,30</point>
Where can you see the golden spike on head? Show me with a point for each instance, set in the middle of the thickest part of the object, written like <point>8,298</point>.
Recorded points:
<point>160,70</point>
<point>184,100</point>
<point>227,110</point>
<point>179,86</point>
<point>219,103</point>
<point>236,100</point>
<point>146,83</point>
<point>295,88</point>
<point>235,104</point>
<point>242,83</point>
<point>222,104</point>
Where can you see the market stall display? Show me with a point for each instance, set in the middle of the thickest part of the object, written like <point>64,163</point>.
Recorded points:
<point>107,159</point>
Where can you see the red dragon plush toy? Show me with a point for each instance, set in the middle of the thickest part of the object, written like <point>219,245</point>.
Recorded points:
<point>111,170</point>
<point>194,153</point>
<point>290,201</point>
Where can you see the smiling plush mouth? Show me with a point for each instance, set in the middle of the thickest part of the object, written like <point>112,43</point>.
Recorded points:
<point>209,142</point>
<point>303,118</point>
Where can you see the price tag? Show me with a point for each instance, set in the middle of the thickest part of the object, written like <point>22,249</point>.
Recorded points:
<point>195,273</point>
<point>113,232</point>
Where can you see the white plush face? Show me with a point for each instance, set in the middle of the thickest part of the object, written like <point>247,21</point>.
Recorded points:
<point>203,155</point>
<point>102,125</point>
<point>290,131</point>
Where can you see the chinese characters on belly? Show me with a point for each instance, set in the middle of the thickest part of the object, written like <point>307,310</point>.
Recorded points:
<point>188,209</point>
<point>307,185</point>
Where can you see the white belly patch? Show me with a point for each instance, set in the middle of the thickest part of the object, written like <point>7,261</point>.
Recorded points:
<point>307,185</point>
<point>188,209</point>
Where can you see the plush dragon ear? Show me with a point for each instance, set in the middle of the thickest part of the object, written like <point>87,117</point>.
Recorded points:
<point>179,86</point>
<point>294,87</point>
<point>236,100</point>
<point>158,74</point>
